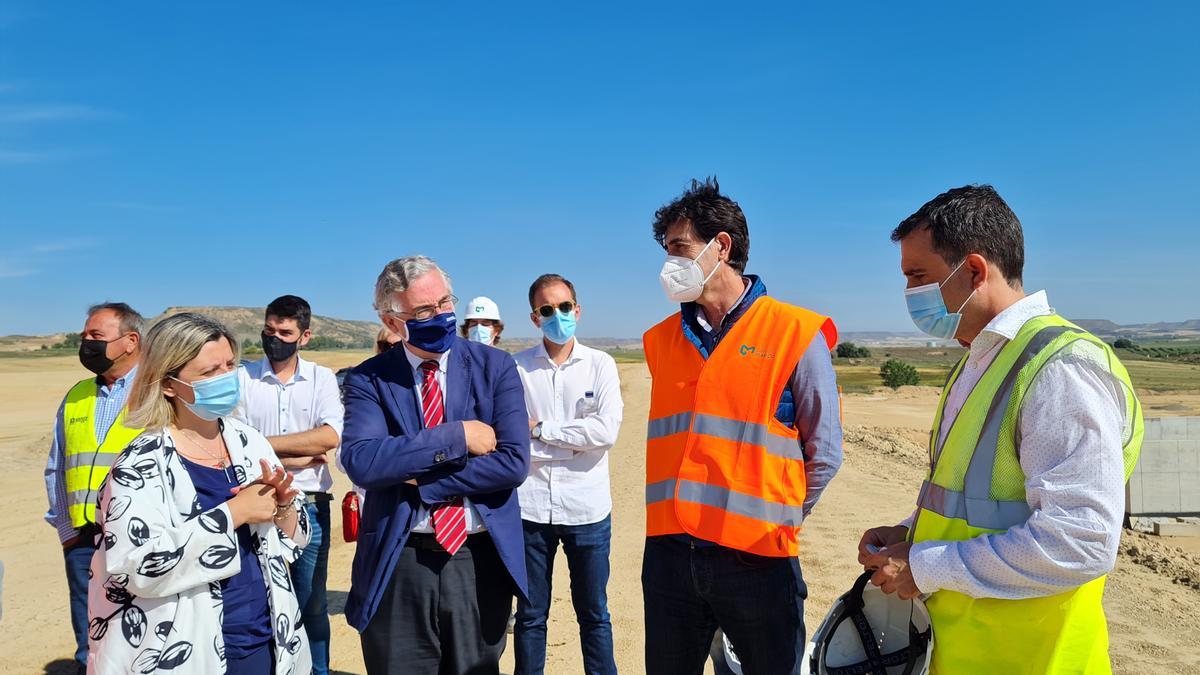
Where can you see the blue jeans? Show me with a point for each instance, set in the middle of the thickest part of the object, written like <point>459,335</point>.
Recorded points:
<point>308,577</point>
<point>587,549</point>
<point>690,588</point>
<point>78,560</point>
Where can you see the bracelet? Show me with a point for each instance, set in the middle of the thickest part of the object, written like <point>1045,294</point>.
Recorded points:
<point>281,510</point>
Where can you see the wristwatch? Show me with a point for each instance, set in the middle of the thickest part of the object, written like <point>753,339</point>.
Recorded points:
<point>537,431</point>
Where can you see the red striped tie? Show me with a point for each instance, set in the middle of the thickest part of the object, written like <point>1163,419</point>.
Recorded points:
<point>449,519</point>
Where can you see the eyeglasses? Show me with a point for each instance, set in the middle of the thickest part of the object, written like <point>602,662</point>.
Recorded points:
<point>547,311</point>
<point>429,311</point>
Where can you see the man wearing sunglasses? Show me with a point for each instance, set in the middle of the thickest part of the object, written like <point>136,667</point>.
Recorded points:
<point>743,436</point>
<point>88,434</point>
<point>574,400</point>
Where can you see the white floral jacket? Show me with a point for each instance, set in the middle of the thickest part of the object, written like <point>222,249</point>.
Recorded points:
<point>154,599</point>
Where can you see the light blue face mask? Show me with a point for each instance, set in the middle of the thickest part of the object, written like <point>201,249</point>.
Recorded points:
<point>559,328</point>
<point>928,310</point>
<point>215,396</point>
<point>481,334</point>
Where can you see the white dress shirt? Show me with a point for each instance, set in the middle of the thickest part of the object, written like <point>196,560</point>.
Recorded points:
<point>1071,429</point>
<point>424,522</point>
<point>308,400</point>
<point>580,408</point>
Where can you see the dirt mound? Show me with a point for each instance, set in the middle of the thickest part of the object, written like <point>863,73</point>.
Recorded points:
<point>892,442</point>
<point>1156,555</point>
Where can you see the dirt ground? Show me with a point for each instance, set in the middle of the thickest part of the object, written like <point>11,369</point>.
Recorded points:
<point>1151,600</point>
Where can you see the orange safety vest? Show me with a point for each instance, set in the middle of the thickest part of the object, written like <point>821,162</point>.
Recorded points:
<point>719,466</point>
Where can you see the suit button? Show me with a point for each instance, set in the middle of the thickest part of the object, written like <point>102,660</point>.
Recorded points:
<point>440,457</point>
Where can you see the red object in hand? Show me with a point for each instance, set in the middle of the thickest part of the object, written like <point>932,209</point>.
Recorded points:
<point>350,516</point>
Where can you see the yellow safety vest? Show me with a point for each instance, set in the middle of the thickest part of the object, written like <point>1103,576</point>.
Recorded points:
<point>976,487</point>
<point>88,460</point>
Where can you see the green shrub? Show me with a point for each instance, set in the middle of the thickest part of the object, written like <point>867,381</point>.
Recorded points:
<point>896,373</point>
<point>849,350</point>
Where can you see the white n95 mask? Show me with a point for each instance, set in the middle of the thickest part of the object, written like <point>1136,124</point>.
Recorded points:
<point>683,279</point>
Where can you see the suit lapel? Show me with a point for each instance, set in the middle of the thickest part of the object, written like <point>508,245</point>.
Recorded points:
<point>458,382</point>
<point>402,390</point>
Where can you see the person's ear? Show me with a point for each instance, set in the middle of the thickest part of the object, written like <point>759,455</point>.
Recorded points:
<point>976,267</point>
<point>578,310</point>
<point>724,246</point>
<point>395,325</point>
<point>134,341</point>
<point>168,387</point>
<point>533,316</point>
<point>304,338</point>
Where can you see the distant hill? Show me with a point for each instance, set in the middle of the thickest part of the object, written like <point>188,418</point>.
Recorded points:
<point>1142,331</point>
<point>247,323</point>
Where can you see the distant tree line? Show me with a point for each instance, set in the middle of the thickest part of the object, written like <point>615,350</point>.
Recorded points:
<point>1188,354</point>
<point>849,350</point>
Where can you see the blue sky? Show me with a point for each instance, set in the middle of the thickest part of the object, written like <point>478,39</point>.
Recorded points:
<point>223,154</point>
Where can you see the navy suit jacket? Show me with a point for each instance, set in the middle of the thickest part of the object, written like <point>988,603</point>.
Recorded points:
<point>384,444</point>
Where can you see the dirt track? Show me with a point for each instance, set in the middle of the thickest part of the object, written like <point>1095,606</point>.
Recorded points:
<point>1153,620</point>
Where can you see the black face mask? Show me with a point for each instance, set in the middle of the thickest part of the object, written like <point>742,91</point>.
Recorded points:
<point>277,350</point>
<point>93,354</point>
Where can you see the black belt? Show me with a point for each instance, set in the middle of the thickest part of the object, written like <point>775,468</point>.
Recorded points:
<point>426,542</point>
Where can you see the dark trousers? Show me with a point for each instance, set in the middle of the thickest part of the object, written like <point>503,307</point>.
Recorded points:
<point>690,589</point>
<point>78,560</point>
<point>309,574</point>
<point>586,548</point>
<point>439,614</point>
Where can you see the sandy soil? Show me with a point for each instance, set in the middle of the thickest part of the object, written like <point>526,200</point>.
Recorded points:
<point>1151,599</point>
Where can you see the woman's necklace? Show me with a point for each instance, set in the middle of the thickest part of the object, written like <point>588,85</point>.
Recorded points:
<point>218,458</point>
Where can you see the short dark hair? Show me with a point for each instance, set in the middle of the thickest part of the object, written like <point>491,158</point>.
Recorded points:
<point>291,307</point>
<point>971,219</point>
<point>128,318</point>
<point>547,280</point>
<point>709,212</point>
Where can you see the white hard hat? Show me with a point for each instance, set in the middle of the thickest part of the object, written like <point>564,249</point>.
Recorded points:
<point>483,308</point>
<point>871,632</point>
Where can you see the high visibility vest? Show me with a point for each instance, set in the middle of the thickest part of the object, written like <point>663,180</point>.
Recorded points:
<point>976,487</point>
<point>719,466</point>
<point>88,460</point>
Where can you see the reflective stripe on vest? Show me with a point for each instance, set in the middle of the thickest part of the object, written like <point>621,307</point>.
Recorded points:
<point>727,500</point>
<point>974,504</point>
<point>87,460</point>
<point>737,431</point>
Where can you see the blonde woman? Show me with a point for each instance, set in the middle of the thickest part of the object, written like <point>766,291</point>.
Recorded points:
<point>199,524</point>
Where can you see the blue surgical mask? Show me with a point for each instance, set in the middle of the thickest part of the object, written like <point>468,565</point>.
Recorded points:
<point>434,334</point>
<point>215,396</point>
<point>559,328</point>
<point>928,310</point>
<point>480,333</point>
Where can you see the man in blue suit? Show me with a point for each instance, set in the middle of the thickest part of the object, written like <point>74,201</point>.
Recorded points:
<point>438,434</point>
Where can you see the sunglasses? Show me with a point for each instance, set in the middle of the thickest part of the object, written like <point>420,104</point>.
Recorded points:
<point>547,311</point>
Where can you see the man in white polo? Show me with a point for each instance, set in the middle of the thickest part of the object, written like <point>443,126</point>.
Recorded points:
<point>297,406</point>
<point>574,400</point>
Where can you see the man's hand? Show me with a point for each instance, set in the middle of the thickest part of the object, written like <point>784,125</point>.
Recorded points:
<point>481,438</point>
<point>892,571</point>
<point>879,537</point>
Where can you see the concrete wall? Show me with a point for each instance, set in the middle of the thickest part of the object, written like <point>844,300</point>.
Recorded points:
<point>1166,480</point>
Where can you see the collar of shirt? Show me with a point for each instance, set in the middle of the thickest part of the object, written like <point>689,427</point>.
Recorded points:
<point>105,389</point>
<point>262,370</point>
<point>696,328</point>
<point>1007,324</point>
<point>416,361</point>
<point>540,352</point>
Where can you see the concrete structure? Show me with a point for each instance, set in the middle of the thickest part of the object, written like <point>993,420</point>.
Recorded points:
<point>1166,481</point>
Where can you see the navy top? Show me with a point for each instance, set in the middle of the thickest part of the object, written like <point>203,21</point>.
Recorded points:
<point>247,625</point>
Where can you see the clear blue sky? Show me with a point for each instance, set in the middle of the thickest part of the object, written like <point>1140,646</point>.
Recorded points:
<point>223,154</point>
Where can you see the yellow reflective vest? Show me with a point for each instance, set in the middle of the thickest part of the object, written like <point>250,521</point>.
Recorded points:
<point>87,459</point>
<point>976,487</point>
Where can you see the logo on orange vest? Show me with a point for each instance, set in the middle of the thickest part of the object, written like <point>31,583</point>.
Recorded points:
<point>748,350</point>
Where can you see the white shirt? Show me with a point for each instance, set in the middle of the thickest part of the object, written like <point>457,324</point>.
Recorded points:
<point>311,398</point>
<point>1071,429</point>
<point>579,405</point>
<point>424,521</point>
